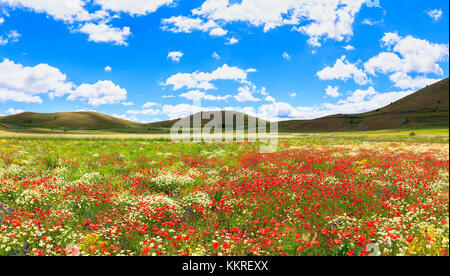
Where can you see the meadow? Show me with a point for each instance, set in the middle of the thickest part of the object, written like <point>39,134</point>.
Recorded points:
<point>333,195</point>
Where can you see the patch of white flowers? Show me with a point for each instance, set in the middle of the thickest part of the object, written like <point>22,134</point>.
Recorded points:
<point>169,182</point>
<point>91,178</point>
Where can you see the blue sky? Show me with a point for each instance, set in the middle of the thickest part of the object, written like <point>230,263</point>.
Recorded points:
<point>150,60</point>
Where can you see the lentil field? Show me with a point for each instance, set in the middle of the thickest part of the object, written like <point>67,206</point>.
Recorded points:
<point>313,197</point>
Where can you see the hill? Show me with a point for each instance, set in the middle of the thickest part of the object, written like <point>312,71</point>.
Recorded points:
<point>427,108</point>
<point>210,115</point>
<point>82,121</point>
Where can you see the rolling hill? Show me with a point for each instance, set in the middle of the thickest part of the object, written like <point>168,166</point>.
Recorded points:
<point>427,108</point>
<point>81,121</point>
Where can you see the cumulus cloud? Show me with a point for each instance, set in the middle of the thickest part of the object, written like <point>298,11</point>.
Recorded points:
<point>286,56</point>
<point>246,95</point>
<point>360,101</point>
<point>215,55</point>
<point>12,111</point>
<point>349,47</point>
<point>232,41</point>
<point>404,56</point>
<point>133,7</point>
<point>435,14</point>
<point>270,99</point>
<point>414,55</point>
<point>66,10</point>
<point>317,19</point>
<point>199,95</point>
<point>371,22</point>
<point>332,91</point>
<point>76,10</point>
<point>89,13</point>
<point>360,95</point>
<point>23,84</point>
<point>102,32</point>
<point>344,70</point>
<point>149,104</point>
<point>183,110</point>
<point>182,24</point>
<point>108,69</point>
<point>126,117</point>
<point>11,36</point>
<point>175,56</point>
<point>404,81</point>
<point>100,93</point>
<point>145,111</point>
<point>202,80</point>
<point>408,55</point>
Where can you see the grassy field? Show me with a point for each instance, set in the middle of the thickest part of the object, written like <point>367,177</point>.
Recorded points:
<point>439,135</point>
<point>373,193</point>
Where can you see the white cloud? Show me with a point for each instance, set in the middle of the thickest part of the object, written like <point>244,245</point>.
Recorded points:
<point>360,95</point>
<point>215,55</point>
<point>435,14</point>
<point>25,84</point>
<point>22,84</point>
<point>333,91</point>
<point>293,95</point>
<point>182,24</point>
<point>232,41</point>
<point>349,48</point>
<point>147,112</point>
<point>246,95</point>
<point>408,55</point>
<point>417,55</point>
<point>133,7</point>
<point>149,104</point>
<point>201,80</point>
<point>286,56</point>
<point>12,111</point>
<point>198,95</point>
<point>344,70</point>
<point>183,110</point>
<point>270,99</point>
<point>377,100</point>
<point>384,63</point>
<point>360,101</point>
<point>175,56</point>
<point>11,36</point>
<point>67,10</point>
<point>2,20</point>
<point>127,103</point>
<point>102,32</point>
<point>371,22</point>
<point>125,117</point>
<point>318,19</point>
<point>100,93</point>
<point>404,81</point>
<point>108,69</point>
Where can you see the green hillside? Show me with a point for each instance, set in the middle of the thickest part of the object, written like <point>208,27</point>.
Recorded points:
<point>427,108</point>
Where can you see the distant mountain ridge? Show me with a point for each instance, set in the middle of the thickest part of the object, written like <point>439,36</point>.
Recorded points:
<point>427,108</point>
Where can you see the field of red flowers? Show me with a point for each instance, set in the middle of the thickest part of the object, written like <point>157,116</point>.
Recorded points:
<point>139,197</point>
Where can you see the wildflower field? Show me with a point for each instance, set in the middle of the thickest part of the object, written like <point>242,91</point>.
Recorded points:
<point>157,197</point>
